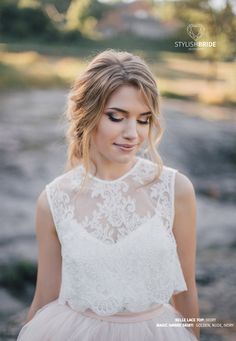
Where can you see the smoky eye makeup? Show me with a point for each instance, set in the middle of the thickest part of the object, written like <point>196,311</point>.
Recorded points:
<point>112,117</point>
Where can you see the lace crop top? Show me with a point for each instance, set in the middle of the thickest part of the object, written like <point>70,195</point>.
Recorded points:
<point>118,249</point>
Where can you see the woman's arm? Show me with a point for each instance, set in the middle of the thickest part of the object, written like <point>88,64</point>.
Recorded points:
<point>184,229</point>
<point>49,258</point>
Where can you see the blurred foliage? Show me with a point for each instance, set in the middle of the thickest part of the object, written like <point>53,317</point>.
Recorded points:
<point>29,3</point>
<point>207,75</point>
<point>84,14</point>
<point>220,26</point>
<point>78,17</point>
<point>18,277</point>
<point>25,21</point>
<point>75,20</point>
<point>50,19</point>
<point>60,5</point>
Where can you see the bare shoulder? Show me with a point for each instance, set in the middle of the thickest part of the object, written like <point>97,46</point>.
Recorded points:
<point>185,207</point>
<point>43,212</point>
<point>184,189</point>
<point>42,201</point>
<point>185,198</point>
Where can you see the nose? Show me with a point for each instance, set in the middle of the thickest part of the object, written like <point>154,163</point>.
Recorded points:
<point>130,130</point>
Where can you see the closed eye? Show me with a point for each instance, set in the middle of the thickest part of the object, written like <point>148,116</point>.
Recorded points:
<point>113,119</point>
<point>144,122</point>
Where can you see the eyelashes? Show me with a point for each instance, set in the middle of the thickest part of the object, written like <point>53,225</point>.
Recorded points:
<point>113,119</point>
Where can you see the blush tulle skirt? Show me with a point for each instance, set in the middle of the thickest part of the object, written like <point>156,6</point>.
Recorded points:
<point>58,322</point>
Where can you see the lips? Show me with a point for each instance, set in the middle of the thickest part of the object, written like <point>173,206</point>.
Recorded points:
<point>125,145</point>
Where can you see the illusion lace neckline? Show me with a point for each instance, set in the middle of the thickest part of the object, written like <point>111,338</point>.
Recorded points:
<point>130,171</point>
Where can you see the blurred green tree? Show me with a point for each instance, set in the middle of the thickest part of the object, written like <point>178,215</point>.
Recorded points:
<point>60,5</point>
<point>219,24</point>
<point>83,15</point>
<point>25,19</point>
<point>29,3</point>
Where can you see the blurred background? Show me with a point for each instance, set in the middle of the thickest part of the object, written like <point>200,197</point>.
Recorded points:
<point>44,44</point>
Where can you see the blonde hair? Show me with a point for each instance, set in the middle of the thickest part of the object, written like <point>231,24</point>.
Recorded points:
<point>106,72</point>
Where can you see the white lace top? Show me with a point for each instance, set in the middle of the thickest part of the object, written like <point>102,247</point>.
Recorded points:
<point>118,250</point>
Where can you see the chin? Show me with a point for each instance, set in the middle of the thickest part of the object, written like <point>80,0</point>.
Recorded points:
<point>126,158</point>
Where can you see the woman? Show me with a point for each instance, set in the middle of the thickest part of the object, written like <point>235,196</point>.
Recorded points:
<point>116,231</point>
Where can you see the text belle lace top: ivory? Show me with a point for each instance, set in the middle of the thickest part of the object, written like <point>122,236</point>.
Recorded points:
<point>118,250</point>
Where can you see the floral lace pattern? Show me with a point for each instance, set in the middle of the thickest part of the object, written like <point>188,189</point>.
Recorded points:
<point>118,249</point>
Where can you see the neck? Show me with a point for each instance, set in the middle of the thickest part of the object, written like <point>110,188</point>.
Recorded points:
<point>108,170</point>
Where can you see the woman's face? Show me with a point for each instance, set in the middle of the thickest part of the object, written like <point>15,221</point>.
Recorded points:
<point>125,121</point>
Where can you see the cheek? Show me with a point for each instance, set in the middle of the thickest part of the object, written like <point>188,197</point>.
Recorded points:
<point>143,133</point>
<point>107,131</point>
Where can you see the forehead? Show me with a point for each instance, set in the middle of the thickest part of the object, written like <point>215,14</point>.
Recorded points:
<point>128,97</point>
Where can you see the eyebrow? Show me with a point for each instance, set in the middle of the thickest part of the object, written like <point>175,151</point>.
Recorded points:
<point>126,112</point>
